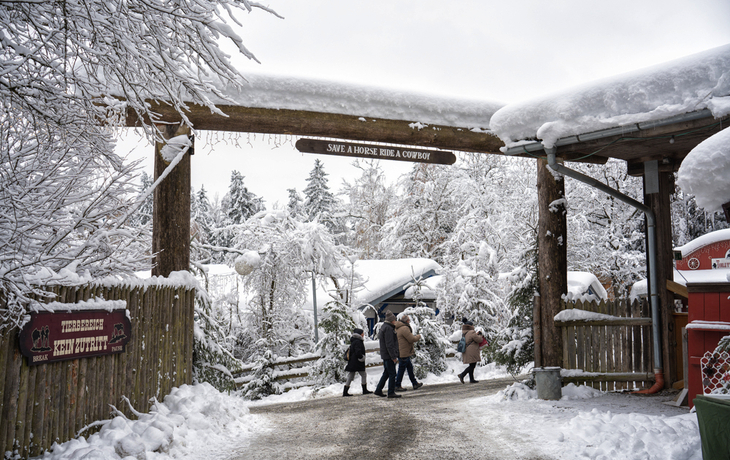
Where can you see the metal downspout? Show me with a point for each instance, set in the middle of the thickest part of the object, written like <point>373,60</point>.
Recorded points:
<point>651,255</point>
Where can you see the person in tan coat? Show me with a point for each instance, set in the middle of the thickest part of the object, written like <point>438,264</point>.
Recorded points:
<point>406,339</point>
<point>471,355</point>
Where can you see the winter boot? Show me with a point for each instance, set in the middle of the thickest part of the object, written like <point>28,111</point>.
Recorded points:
<point>345,391</point>
<point>365,390</point>
<point>461,377</point>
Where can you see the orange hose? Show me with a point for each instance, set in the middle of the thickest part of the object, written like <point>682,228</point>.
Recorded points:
<point>656,388</point>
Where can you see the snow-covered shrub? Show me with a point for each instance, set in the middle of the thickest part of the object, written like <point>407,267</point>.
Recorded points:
<point>431,349</point>
<point>213,361</point>
<point>337,325</point>
<point>262,381</point>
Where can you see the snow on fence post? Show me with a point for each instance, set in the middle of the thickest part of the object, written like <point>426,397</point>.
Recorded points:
<point>46,403</point>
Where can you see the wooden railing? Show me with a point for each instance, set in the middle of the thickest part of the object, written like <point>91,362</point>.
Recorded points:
<point>48,403</point>
<point>302,372</point>
<point>610,353</point>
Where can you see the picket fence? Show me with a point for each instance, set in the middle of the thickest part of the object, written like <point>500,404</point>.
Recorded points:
<point>53,402</point>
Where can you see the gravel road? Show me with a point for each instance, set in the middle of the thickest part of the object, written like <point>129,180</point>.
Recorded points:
<point>423,424</point>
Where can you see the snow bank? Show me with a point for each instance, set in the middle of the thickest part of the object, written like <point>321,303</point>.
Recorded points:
<point>192,422</point>
<point>684,85</point>
<point>705,171</point>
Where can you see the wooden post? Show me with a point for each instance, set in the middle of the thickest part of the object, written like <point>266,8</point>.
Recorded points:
<point>552,259</point>
<point>171,211</point>
<point>537,330</point>
<point>660,205</point>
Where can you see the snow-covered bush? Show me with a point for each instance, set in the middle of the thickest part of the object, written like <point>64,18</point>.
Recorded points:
<point>213,361</point>
<point>337,325</point>
<point>262,381</point>
<point>431,349</point>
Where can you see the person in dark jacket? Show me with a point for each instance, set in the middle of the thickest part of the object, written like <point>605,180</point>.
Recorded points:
<point>471,355</point>
<point>356,363</point>
<point>389,353</point>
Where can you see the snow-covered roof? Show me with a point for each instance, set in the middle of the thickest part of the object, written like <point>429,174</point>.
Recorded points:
<point>705,172</point>
<point>279,92</point>
<point>684,277</point>
<point>689,84</point>
<point>383,279</point>
<point>704,240</point>
<point>585,286</point>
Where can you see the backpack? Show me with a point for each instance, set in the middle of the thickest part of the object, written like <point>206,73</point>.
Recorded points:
<point>461,347</point>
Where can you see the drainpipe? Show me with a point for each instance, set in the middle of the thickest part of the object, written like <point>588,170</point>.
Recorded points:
<point>651,255</point>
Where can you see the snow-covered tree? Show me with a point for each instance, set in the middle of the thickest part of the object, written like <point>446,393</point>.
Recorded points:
<point>514,345</point>
<point>424,216</point>
<point>71,71</point>
<point>431,349</point>
<point>370,202</point>
<point>295,204</point>
<point>337,325</point>
<point>689,221</point>
<point>288,251</point>
<point>239,203</point>
<point>319,203</point>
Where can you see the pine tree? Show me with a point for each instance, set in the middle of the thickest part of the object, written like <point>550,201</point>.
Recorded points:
<point>143,216</point>
<point>319,203</point>
<point>295,204</point>
<point>240,204</point>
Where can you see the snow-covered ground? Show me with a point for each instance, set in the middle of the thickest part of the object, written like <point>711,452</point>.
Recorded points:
<point>199,422</point>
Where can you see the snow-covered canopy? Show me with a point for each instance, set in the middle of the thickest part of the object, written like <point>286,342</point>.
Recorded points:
<point>705,172</point>
<point>278,92</point>
<point>681,86</point>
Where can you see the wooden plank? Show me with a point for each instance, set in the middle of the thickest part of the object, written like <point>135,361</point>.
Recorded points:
<point>611,377</point>
<point>317,124</point>
<point>616,322</point>
<point>21,431</point>
<point>13,377</point>
<point>678,289</point>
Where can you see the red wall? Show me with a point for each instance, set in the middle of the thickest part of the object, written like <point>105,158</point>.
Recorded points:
<point>705,306</point>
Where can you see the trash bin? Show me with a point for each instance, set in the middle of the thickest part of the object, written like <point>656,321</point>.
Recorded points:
<point>548,382</point>
<point>713,417</point>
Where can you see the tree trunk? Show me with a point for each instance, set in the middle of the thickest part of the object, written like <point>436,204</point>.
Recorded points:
<point>552,259</point>
<point>171,212</point>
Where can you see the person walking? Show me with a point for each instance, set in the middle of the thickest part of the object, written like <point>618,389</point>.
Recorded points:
<point>406,339</point>
<point>356,362</point>
<point>389,353</point>
<point>471,354</point>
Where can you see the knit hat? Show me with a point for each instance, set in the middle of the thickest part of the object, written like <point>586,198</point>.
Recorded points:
<point>467,322</point>
<point>357,331</point>
<point>389,316</point>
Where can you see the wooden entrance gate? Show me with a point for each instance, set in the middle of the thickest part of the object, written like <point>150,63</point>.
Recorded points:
<point>611,351</point>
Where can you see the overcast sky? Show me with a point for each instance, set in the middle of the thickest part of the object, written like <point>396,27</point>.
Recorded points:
<point>502,51</point>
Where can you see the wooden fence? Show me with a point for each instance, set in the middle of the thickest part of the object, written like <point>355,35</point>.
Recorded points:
<point>48,403</point>
<point>613,353</point>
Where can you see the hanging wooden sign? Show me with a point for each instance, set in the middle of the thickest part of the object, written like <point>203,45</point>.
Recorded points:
<point>376,152</point>
<point>58,336</point>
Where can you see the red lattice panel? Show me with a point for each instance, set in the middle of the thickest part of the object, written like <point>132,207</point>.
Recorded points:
<point>715,372</point>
